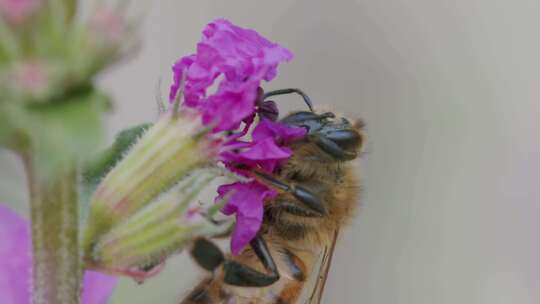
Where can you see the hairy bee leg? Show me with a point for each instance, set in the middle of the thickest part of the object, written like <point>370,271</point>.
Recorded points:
<point>242,275</point>
<point>298,210</point>
<point>306,98</point>
<point>303,195</point>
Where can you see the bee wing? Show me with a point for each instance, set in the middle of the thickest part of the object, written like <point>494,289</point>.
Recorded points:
<point>322,274</point>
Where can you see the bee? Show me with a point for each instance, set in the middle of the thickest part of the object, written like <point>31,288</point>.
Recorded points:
<point>289,259</point>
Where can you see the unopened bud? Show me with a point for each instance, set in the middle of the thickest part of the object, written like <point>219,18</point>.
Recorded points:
<point>169,151</point>
<point>156,231</point>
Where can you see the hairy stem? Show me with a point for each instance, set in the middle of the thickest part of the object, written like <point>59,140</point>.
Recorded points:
<point>55,241</point>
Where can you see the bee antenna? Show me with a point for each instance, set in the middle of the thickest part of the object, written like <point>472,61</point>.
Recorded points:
<point>290,91</point>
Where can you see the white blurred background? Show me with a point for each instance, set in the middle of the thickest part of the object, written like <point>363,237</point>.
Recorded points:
<point>450,93</point>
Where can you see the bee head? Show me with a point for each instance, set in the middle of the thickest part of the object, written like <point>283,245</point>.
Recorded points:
<point>338,137</point>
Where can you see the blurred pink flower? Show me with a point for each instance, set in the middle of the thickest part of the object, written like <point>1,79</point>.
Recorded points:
<point>239,59</point>
<point>16,265</point>
<point>109,25</point>
<point>32,77</point>
<point>17,11</point>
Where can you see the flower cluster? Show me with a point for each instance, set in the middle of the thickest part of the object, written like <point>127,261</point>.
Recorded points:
<point>47,53</point>
<point>238,60</point>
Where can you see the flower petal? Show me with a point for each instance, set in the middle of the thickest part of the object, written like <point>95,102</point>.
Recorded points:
<point>246,202</point>
<point>179,68</point>
<point>97,287</point>
<point>241,59</point>
<point>283,133</point>
<point>265,155</point>
<point>265,150</point>
<point>230,105</point>
<point>15,258</point>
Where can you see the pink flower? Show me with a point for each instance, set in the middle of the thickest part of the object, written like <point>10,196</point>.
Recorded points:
<point>282,133</point>
<point>266,150</point>
<point>264,153</point>
<point>247,202</point>
<point>16,265</point>
<point>32,77</point>
<point>17,11</point>
<point>242,58</point>
<point>108,25</point>
<point>239,59</point>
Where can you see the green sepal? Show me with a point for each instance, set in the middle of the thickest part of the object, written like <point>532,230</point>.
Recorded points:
<point>167,152</point>
<point>96,169</point>
<point>157,231</point>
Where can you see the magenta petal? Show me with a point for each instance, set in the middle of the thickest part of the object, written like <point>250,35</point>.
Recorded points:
<point>240,59</point>
<point>247,202</point>
<point>16,265</point>
<point>15,258</point>
<point>97,287</point>
<point>179,69</point>
<point>283,133</point>
<point>266,150</point>
<point>264,154</point>
<point>245,230</point>
<point>230,105</point>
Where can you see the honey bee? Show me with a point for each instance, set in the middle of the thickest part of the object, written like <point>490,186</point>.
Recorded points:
<point>289,259</point>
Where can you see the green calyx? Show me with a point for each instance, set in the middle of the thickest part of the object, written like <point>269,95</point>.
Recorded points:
<point>165,154</point>
<point>160,229</point>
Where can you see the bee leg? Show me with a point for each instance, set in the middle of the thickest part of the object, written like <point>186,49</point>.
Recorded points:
<point>333,148</point>
<point>292,290</point>
<point>296,209</point>
<point>242,275</point>
<point>306,98</point>
<point>207,254</point>
<point>303,195</point>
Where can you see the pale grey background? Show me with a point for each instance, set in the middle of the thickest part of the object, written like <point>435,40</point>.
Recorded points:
<point>449,90</point>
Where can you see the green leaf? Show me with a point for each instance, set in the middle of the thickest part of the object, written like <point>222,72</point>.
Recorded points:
<point>96,169</point>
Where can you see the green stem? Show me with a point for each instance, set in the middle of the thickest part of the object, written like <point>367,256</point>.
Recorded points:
<point>55,241</point>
